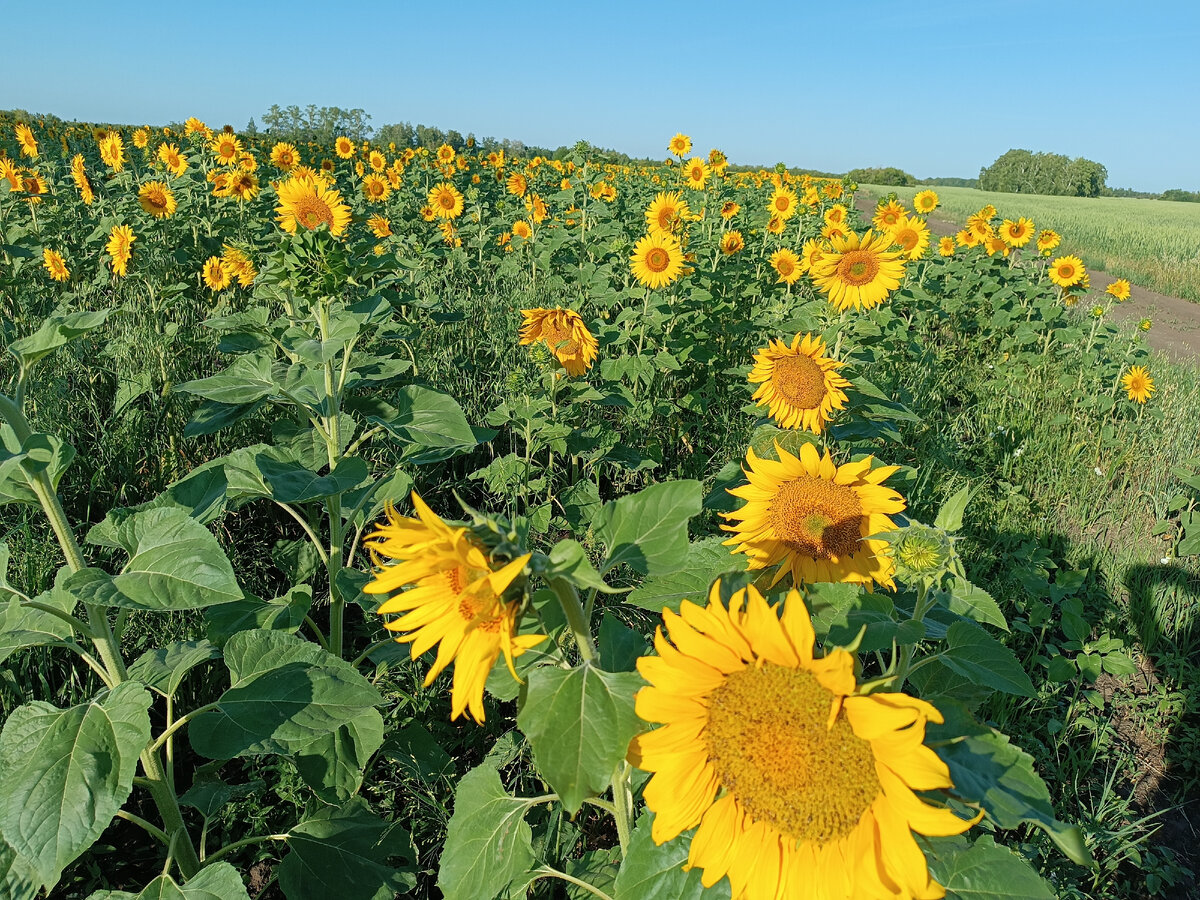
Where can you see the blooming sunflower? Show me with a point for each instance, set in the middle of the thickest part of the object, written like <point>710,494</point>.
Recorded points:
<point>946,246</point>
<point>522,229</point>
<point>1067,271</point>
<point>783,203</point>
<point>657,259</point>
<point>176,162</point>
<point>801,785</point>
<point>380,226</point>
<point>34,185</point>
<point>666,211</point>
<point>242,186</point>
<point>911,235</point>
<point>966,238</point>
<point>680,145</point>
<point>344,148</point>
<point>284,156</point>
<point>776,225</point>
<point>798,384</point>
<point>810,253</point>
<point>1138,383</point>
<point>980,226</point>
<point>836,214</point>
<point>141,137</point>
<point>377,161</point>
<point>1018,233</point>
<point>227,148</point>
<point>216,275</point>
<point>563,331</point>
<point>238,265</point>
<point>309,203</point>
<point>112,151</point>
<point>858,272</point>
<point>696,174</point>
<point>787,264</point>
<point>517,184</point>
<point>925,202</point>
<point>888,215</point>
<point>28,142</point>
<point>157,199</point>
<point>445,200</point>
<point>732,242</point>
<point>994,245</point>
<point>120,248</point>
<point>1119,290</point>
<point>1048,240</point>
<point>79,176</point>
<point>376,188</point>
<point>55,265</point>
<point>815,517</point>
<point>456,601</point>
<point>445,154</point>
<point>729,209</point>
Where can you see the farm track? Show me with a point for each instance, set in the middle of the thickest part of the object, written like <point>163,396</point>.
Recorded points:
<point>1176,322</point>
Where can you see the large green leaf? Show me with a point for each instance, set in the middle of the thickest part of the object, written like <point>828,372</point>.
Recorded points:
<point>55,332</point>
<point>292,483</point>
<point>977,656</point>
<point>18,881</point>
<point>653,871</point>
<point>333,764</point>
<point>286,694</point>
<point>648,530</point>
<point>20,462</point>
<point>972,602</point>
<point>201,495</point>
<point>164,668</point>
<point>209,794</point>
<point>174,563</point>
<point>64,773</point>
<point>988,872</point>
<point>344,852</point>
<point>23,626</point>
<point>488,843</point>
<point>285,613</point>
<point>579,722</point>
<point>429,424</point>
<point>247,379</point>
<point>217,881</point>
<point>706,561</point>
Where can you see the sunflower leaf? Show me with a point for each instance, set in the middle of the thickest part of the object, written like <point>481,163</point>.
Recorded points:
<point>706,561</point>
<point>977,656</point>
<point>431,425</point>
<point>489,845</point>
<point>57,331</point>
<point>988,872</point>
<point>217,881</point>
<point>653,871</point>
<point>648,530</point>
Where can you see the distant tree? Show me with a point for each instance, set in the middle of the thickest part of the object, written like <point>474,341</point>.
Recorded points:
<point>319,124</point>
<point>252,128</point>
<point>951,182</point>
<point>1026,172</point>
<point>1180,196</point>
<point>889,176</point>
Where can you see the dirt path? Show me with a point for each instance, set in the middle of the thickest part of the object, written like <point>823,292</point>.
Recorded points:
<point>1175,322</point>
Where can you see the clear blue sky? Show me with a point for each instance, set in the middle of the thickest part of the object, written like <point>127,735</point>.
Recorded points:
<point>936,88</point>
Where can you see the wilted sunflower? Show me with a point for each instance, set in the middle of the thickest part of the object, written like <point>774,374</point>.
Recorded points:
<point>563,331</point>
<point>120,248</point>
<point>786,264</point>
<point>242,186</point>
<point>176,162</point>
<point>946,246</point>
<point>1066,271</point>
<point>1119,290</point>
<point>680,145</point>
<point>925,202</point>
<point>814,517</point>
<point>456,601</point>
<point>344,148</point>
<point>226,148</point>
<point>157,199</point>
<point>308,204</point>
<point>783,203</point>
<point>858,272</point>
<point>284,156</point>
<point>696,174</point>
<point>798,384</point>
<point>216,275</point>
<point>732,242</point>
<point>28,142</point>
<point>380,226</point>
<point>801,785</point>
<point>911,235</point>
<point>445,200</point>
<point>666,211</point>
<point>888,215</point>
<point>1048,240</point>
<point>376,188</point>
<point>1138,383</point>
<point>1018,233</point>
<point>657,260</point>
<point>55,265</point>
<point>112,151</point>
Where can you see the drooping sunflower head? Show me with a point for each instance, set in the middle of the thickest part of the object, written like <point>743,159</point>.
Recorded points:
<point>858,272</point>
<point>657,260</point>
<point>445,200</point>
<point>457,600</point>
<point>157,199</point>
<point>1018,233</point>
<point>925,202</point>
<point>813,518</point>
<point>798,384</point>
<point>563,331</point>
<point>1066,271</point>
<point>1138,384</point>
<point>306,203</point>
<point>789,771</point>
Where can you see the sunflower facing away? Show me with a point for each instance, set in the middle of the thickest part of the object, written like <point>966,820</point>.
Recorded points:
<point>798,384</point>
<point>858,272</point>
<point>814,517</point>
<point>801,785</point>
<point>307,203</point>
<point>445,200</point>
<point>120,248</point>
<point>1067,271</point>
<point>563,331</point>
<point>657,260</point>
<point>1138,383</point>
<point>455,601</point>
<point>157,199</point>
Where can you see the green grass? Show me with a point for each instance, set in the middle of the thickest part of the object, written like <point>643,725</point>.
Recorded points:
<point>1153,243</point>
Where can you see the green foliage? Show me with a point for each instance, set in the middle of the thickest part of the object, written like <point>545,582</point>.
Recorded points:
<point>889,175</point>
<point>1024,172</point>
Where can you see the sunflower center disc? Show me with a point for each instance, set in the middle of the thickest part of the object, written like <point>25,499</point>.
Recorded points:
<point>559,340</point>
<point>771,747</point>
<point>657,260</point>
<point>858,267</point>
<point>800,380</point>
<point>907,239</point>
<point>817,518</point>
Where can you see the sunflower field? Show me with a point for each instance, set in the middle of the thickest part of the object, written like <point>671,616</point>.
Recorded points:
<point>400,521</point>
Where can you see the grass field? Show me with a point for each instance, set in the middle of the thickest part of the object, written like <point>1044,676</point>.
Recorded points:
<point>1153,243</point>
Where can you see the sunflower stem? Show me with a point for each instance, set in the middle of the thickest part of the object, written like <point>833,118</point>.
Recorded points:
<point>568,598</point>
<point>623,806</point>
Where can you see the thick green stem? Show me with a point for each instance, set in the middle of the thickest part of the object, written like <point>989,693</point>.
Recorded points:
<point>623,806</point>
<point>568,598</point>
<point>903,667</point>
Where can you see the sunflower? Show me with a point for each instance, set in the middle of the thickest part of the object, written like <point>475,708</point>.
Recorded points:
<point>522,229</point>
<point>729,209</point>
<point>216,275</point>
<point>141,137</point>
<point>1018,233</point>
<point>176,162</point>
<point>696,174</point>
<point>344,147</point>
<point>55,265</point>
<point>380,226</point>
<point>1138,383</point>
<point>776,225</point>
<point>1048,240</point>
<point>11,172</point>
<point>27,141</point>
<point>787,264</point>
<point>377,161</point>
<point>925,202</point>
<point>34,185</point>
<point>112,151</point>
<point>226,148</point>
<point>456,600</point>
<point>194,126</point>
<point>517,184</point>
<point>680,145</point>
<point>79,176</point>
<point>980,226</point>
<point>801,785</point>
<point>445,200</point>
<point>666,211</point>
<point>798,384</point>
<point>858,272</point>
<point>836,215</point>
<point>946,246</point>
<point>911,235</point>
<point>445,154</point>
<point>157,199</point>
<point>888,215</point>
<point>994,245</point>
<point>810,253</point>
<point>120,248</point>
<point>657,259</point>
<point>783,203</point>
<point>238,265</point>
<point>966,238</point>
<point>1066,271</point>
<point>309,203</point>
<point>1119,290</point>
<point>284,156</point>
<point>376,188</point>
<point>815,517</point>
<point>563,331</point>
<point>732,242</point>
<point>537,208</point>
